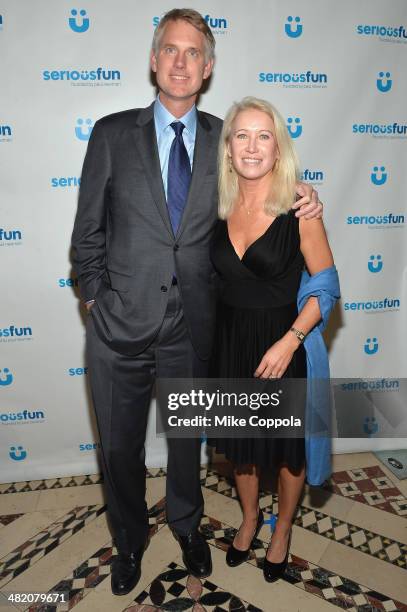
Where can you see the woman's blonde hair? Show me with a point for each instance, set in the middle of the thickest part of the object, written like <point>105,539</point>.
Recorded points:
<point>285,172</point>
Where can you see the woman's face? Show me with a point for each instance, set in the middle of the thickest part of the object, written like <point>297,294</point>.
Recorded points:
<point>252,145</point>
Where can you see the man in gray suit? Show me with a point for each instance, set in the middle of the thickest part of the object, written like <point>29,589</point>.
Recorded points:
<point>147,208</point>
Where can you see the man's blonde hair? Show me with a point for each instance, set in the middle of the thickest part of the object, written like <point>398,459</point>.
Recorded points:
<point>285,172</point>
<point>192,17</point>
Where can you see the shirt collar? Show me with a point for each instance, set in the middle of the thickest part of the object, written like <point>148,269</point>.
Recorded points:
<point>163,118</point>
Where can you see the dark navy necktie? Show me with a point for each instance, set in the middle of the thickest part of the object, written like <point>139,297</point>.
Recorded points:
<point>179,176</point>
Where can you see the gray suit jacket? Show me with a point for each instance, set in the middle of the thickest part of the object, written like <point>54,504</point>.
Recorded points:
<point>123,247</point>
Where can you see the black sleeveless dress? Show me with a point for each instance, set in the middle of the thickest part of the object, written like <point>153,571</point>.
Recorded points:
<point>256,307</point>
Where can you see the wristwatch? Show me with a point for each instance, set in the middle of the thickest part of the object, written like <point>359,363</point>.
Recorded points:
<point>300,335</point>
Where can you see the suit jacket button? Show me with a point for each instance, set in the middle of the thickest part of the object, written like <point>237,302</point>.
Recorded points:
<point>163,288</point>
<point>176,247</point>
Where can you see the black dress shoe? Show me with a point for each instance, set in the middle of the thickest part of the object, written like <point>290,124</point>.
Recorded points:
<point>274,571</point>
<point>126,572</point>
<point>196,554</point>
<point>235,557</point>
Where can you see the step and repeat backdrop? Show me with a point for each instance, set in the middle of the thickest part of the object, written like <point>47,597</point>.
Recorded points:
<point>336,71</point>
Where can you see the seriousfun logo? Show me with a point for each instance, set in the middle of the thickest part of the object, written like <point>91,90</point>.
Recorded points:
<point>388,221</point>
<point>84,78</point>
<point>12,333</point>
<point>66,181</point>
<point>22,418</point>
<point>218,25</point>
<point>6,133</point>
<point>374,306</point>
<point>304,80</point>
<point>381,130</point>
<point>316,177</point>
<point>89,446</point>
<point>10,237</point>
<point>394,34</point>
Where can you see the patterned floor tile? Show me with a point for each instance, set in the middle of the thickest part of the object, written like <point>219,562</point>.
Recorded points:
<point>371,486</point>
<point>335,529</point>
<point>41,544</point>
<point>95,569</point>
<point>175,589</point>
<point>337,590</point>
<point>65,482</point>
<point>6,519</point>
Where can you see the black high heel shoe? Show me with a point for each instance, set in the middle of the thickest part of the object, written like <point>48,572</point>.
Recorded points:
<point>235,557</point>
<point>274,571</point>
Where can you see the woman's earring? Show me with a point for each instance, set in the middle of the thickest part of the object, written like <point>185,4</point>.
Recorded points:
<point>230,164</point>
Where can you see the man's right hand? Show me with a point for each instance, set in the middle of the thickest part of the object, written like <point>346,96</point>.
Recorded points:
<point>89,305</point>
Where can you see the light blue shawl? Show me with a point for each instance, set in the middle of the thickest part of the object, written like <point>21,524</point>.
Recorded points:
<point>325,286</point>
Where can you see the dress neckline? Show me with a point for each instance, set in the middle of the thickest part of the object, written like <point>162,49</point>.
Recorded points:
<point>251,245</point>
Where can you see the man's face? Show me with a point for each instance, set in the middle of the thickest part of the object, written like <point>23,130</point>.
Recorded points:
<point>180,62</point>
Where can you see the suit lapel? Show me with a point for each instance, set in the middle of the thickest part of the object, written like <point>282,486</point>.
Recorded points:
<point>146,143</point>
<point>202,152</point>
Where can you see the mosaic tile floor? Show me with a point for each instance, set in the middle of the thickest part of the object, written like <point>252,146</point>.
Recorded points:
<point>349,546</point>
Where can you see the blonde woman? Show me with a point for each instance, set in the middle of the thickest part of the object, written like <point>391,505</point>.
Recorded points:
<point>259,251</point>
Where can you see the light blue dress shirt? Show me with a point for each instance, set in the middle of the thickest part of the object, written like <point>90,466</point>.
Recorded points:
<point>165,135</point>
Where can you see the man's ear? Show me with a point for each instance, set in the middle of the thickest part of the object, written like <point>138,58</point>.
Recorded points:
<point>208,69</point>
<point>153,61</point>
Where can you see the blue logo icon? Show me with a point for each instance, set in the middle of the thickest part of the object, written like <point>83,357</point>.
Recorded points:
<point>5,382</point>
<point>271,521</point>
<point>18,454</point>
<point>371,346</point>
<point>1,22</point>
<point>294,127</point>
<point>73,24</point>
<point>384,82</point>
<point>370,426</point>
<point>375,178</point>
<point>297,31</point>
<point>81,125</point>
<point>375,263</point>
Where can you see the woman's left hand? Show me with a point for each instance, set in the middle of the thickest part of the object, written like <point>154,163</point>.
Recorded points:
<point>276,360</point>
